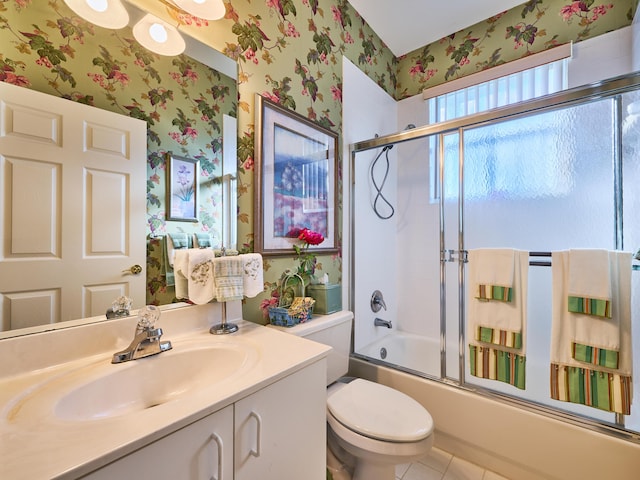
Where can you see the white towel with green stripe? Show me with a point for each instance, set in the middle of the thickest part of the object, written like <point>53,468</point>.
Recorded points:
<point>497,290</point>
<point>497,314</point>
<point>589,297</point>
<point>591,355</point>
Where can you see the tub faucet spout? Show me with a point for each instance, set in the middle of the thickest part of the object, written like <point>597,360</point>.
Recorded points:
<point>378,322</point>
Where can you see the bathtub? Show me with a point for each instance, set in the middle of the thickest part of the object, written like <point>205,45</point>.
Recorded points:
<point>408,351</point>
<point>517,441</point>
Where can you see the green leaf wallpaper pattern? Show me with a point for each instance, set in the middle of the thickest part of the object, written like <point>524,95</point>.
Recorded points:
<point>532,27</point>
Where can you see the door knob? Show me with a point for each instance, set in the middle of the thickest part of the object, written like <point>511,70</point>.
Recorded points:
<point>134,270</point>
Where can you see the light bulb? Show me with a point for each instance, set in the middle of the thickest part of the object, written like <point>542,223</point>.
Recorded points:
<point>158,36</point>
<point>104,13</point>
<point>98,5</point>
<point>158,33</point>
<point>207,9</point>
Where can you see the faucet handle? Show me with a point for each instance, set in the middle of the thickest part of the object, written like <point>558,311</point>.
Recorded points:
<point>377,301</point>
<point>147,317</point>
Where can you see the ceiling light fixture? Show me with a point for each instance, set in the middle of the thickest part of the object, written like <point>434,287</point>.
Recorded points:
<point>151,32</point>
<point>206,9</point>
<point>104,13</point>
<point>158,36</point>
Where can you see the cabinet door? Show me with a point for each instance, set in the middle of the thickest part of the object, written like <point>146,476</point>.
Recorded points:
<point>281,429</point>
<point>200,451</point>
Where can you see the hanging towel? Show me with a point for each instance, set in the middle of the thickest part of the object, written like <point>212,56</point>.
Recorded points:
<point>172,242</point>
<point>200,277</point>
<point>167,265</point>
<point>502,317</point>
<point>202,240</point>
<point>252,274</point>
<point>497,314</point>
<point>226,252</point>
<point>228,273</point>
<point>591,356</point>
<point>181,273</point>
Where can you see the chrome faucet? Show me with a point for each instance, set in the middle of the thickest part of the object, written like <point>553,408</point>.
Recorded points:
<point>146,341</point>
<point>378,322</point>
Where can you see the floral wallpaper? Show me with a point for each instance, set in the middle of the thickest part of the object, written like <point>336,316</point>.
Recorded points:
<point>532,27</point>
<point>290,51</point>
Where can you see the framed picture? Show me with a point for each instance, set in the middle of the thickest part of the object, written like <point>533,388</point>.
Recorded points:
<point>295,180</point>
<point>182,189</point>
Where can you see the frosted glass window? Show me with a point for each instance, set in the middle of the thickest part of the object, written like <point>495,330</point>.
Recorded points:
<point>517,87</point>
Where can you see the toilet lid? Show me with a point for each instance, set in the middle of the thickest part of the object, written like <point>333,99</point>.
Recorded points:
<point>379,412</point>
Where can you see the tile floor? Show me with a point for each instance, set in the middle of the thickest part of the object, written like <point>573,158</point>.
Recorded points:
<point>440,465</point>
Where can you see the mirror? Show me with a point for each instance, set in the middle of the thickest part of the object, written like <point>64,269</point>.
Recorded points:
<point>189,103</point>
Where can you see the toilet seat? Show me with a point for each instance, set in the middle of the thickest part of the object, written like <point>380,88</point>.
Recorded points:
<point>379,412</point>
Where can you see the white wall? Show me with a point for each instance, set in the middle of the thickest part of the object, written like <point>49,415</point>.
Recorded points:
<point>602,57</point>
<point>368,110</point>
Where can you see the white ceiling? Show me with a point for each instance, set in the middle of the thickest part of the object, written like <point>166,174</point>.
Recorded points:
<point>406,25</point>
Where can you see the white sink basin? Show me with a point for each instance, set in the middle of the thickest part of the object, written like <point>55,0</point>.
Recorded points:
<point>103,390</point>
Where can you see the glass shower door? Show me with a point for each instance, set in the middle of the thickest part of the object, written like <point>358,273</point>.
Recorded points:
<point>541,183</point>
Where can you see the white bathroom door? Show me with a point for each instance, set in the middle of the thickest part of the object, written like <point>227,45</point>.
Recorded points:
<point>72,208</point>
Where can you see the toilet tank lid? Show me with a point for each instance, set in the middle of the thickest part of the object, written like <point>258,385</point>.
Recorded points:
<point>377,411</point>
<point>317,322</point>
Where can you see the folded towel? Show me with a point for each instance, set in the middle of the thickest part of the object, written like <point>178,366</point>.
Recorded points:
<point>589,285</point>
<point>178,240</point>
<point>591,356</point>
<point>167,264</point>
<point>173,242</point>
<point>494,267</point>
<point>202,240</point>
<point>252,278</point>
<point>228,274</point>
<point>181,273</point>
<point>200,277</point>
<point>501,269</point>
<point>590,276</point>
<point>497,314</point>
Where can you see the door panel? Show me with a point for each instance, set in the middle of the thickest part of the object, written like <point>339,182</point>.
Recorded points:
<point>72,209</point>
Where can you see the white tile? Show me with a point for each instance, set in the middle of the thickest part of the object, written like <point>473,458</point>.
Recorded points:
<point>493,476</point>
<point>402,469</point>
<point>437,459</point>
<point>418,471</point>
<point>462,470</point>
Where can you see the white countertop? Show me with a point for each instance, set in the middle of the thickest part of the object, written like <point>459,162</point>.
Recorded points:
<point>48,447</point>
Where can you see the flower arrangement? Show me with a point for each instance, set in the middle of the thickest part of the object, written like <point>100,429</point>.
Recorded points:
<point>307,262</point>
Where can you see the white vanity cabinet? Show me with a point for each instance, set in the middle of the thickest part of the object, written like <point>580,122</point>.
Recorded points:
<point>280,431</point>
<point>276,433</point>
<point>200,451</point>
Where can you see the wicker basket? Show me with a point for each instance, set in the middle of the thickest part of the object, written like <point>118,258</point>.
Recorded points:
<point>299,310</point>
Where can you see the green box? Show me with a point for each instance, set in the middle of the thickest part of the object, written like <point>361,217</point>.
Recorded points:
<point>328,298</point>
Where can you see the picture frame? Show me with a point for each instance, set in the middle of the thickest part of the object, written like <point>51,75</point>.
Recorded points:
<point>182,188</point>
<point>295,173</point>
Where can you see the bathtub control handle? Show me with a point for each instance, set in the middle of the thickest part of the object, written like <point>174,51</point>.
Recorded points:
<point>377,301</point>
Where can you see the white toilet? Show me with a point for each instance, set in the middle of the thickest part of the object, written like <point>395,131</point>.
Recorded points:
<point>371,427</point>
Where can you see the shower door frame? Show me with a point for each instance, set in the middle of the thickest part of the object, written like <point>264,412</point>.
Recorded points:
<point>608,89</point>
